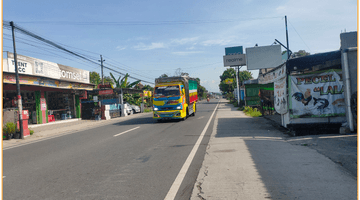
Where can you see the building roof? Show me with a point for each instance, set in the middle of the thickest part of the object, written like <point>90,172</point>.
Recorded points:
<point>307,62</point>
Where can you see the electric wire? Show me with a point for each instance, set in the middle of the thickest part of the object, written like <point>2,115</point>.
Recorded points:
<point>299,35</point>
<point>23,31</point>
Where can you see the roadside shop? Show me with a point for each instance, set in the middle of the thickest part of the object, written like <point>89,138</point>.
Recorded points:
<point>49,91</point>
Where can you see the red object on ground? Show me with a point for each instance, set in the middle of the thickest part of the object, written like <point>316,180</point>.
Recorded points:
<point>25,116</point>
<point>51,118</point>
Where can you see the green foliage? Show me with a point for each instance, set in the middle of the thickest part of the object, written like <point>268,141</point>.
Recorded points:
<point>245,75</point>
<point>148,88</point>
<point>9,128</point>
<point>231,73</point>
<point>31,132</point>
<point>253,112</point>
<point>95,78</point>
<point>163,76</point>
<point>123,83</point>
<point>148,110</point>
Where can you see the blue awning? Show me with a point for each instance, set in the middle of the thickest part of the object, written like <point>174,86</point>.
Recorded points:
<point>308,62</point>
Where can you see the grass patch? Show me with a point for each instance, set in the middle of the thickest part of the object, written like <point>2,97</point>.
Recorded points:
<point>146,110</point>
<point>253,112</point>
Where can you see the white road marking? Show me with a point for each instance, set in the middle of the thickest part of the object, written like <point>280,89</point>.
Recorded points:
<point>126,131</point>
<point>201,117</point>
<point>180,177</point>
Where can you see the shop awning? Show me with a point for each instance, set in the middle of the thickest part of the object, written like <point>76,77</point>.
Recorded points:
<point>307,62</point>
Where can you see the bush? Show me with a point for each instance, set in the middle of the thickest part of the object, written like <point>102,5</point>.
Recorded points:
<point>31,132</point>
<point>253,112</point>
<point>9,130</point>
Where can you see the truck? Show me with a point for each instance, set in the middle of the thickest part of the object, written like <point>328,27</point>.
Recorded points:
<point>174,98</point>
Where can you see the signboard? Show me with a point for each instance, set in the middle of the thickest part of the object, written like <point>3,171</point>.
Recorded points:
<point>95,98</point>
<point>234,60</point>
<point>280,96</point>
<point>102,92</point>
<point>263,57</point>
<point>43,103</point>
<point>233,50</point>
<point>38,81</point>
<point>38,67</point>
<point>317,95</point>
<point>229,81</point>
<point>273,76</point>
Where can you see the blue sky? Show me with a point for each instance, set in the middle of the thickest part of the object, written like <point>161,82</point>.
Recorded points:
<point>149,38</point>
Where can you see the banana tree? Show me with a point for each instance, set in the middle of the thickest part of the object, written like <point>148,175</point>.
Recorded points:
<point>123,83</point>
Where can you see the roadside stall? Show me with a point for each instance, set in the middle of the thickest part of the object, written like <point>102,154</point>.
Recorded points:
<point>308,90</point>
<point>50,91</point>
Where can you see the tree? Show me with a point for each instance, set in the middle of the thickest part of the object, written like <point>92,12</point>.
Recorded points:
<point>245,75</point>
<point>230,73</point>
<point>123,83</point>
<point>163,76</point>
<point>148,88</point>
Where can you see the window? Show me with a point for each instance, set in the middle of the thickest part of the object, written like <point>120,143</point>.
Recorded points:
<point>167,91</point>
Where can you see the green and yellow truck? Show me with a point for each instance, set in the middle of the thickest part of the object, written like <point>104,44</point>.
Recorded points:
<point>174,98</point>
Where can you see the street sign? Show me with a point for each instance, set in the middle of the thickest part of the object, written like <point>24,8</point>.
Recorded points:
<point>233,50</point>
<point>234,60</point>
<point>229,81</point>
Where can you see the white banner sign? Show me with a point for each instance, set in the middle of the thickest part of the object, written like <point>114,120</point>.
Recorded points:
<point>273,76</point>
<point>317,95</point>
<point>280,96</point>
<point>234,60</point>
<point>23,66</point>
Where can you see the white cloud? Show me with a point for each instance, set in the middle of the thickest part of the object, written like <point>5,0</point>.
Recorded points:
<point>183,41</point>
<point>184,53</point>
<point>153,45</point>
<point>220,42</point>
<point>119,48</point>
<point>213,81</point>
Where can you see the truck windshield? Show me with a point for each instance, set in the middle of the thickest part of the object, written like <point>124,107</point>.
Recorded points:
<point>167,91</point>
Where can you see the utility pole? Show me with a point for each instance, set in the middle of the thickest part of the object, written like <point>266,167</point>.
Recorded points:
<point>19,104</point>
<point>237,84</point>
<point>102,69</point>
<point>287,38</point>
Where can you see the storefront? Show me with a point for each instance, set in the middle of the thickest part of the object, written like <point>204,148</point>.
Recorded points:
<point>49,91</point>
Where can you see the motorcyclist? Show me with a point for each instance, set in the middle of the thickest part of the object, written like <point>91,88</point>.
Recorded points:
<point>208,99</point>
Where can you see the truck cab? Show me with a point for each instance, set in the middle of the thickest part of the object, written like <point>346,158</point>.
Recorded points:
<point>172,98</point>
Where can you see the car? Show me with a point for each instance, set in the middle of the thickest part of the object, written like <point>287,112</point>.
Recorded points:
<point>128,108</point>
<point>136,109</point>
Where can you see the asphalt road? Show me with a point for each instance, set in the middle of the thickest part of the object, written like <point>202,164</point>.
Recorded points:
<point>95,164</point>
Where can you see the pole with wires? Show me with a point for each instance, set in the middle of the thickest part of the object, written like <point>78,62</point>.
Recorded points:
<point>19,104</point>
<point>287,38</point>
<point>102,69</point>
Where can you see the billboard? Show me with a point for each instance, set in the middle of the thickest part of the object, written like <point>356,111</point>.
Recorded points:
<point>317,95</point>
<point>234,60</point>
<point>263,57</point>
<point>37,67</point>
<point>233,50</point>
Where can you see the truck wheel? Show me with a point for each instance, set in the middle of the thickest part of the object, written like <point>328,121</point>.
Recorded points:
<point>193,114</point>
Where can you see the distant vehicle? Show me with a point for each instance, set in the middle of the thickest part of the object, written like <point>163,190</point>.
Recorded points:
<point>174,98</point>
<point>135,108</point>
<point>217,97</point>
<point>128,108</point>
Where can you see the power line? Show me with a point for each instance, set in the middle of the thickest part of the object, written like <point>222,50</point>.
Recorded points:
<point>63,49</point>
<point>142,23</point>
<point>299,36</point>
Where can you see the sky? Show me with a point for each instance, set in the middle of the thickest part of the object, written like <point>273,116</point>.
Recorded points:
<point>149,38</point>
